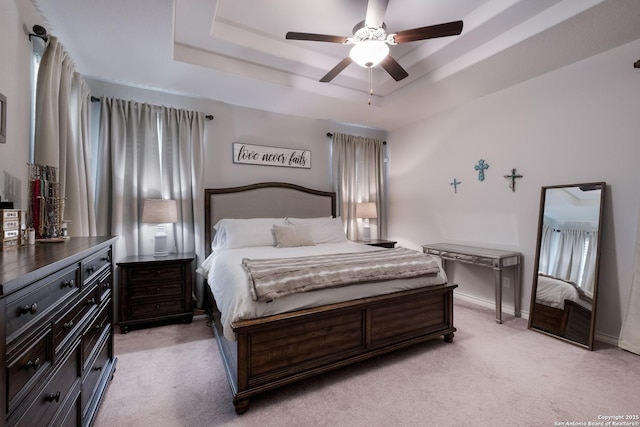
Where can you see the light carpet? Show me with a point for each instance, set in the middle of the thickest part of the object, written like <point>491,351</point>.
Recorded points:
<point>491,375</point>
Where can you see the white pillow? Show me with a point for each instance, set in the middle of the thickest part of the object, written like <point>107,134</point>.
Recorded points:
<point>291,236</point>
<point>240,233</point>
<point>323,229</point>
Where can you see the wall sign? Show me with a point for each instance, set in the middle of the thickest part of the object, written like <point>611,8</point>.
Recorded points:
<point>271,156</point>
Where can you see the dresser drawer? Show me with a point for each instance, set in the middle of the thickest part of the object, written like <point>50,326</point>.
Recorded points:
<point>68,324</point>
<point>156,274</point>
<point>155,309</point>
<point>93,374</point>
<point>105,283</point>
<point>94,332</point>
<point>92,266</point>
<point>27,367</point>
<point>160,290</point>
<point>46,401</point>
<point>40,300</point>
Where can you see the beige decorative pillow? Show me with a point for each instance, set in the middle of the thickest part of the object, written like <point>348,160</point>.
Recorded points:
<point>292,236</point>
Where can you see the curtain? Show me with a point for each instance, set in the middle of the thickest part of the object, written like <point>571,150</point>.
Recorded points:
<point>148,151</point>
<point>568,252</point>
<point>630,333</point>
<point>358,176</point>
<point>62,135</point>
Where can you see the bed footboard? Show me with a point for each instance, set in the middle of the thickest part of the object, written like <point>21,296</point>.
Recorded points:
<point>277,350</point>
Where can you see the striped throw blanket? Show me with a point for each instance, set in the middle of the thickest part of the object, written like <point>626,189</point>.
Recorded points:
<point>273,278</point>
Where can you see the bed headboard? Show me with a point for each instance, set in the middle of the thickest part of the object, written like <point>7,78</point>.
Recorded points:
<point>264,200</point>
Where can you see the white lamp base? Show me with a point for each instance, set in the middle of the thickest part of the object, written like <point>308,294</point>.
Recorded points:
<point>160,242</point>
<point>366,234</point>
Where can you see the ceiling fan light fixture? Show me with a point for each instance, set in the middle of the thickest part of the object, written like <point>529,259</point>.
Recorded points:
<point>369,53</point>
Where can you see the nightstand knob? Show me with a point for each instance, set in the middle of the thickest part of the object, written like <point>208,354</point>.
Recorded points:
<point>157,272</point>
<point>157,305</point>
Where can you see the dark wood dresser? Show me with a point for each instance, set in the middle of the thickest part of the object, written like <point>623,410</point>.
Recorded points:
<point>57,338</point>
<point>155,289</point>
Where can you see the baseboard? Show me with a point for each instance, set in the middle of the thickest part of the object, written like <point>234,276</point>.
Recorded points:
<point>599,336</point>
<point>488,304</point>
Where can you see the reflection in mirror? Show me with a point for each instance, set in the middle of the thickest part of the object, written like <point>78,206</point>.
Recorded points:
<point>565,283</point>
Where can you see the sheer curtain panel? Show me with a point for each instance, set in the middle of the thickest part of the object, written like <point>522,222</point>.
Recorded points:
<point>62,135</point>
<point>358,176</point>
<point>149,152</point>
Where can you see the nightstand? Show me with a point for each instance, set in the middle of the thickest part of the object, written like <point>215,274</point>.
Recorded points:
<point>379,242</point>
<point>155,289</point>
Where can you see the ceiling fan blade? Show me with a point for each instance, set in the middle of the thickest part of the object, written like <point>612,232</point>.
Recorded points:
<point>315,37</point>
<point>394,69</point>
<point>430,32</point>
<point>336,70</point>
<point>376,10</point>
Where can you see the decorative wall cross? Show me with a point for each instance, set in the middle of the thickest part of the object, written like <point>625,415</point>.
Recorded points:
<point>512,177</point>
<point>455,184</point>
<point>480,167</point>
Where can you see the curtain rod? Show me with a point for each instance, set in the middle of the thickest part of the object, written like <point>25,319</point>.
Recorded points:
<point>330,135</point>
<point>96,99</point>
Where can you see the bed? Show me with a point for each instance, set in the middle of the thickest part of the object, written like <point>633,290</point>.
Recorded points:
<point>563,308</point>
<point>281,340</point>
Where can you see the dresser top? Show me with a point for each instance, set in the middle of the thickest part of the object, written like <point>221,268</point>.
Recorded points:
<point>21,266</point>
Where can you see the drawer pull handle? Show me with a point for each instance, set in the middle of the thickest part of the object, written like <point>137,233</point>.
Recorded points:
<point>68,283</point>
<point>68,325</point>
<point>35,364</point>
<point>98,328</point>
<point>106,285</point>
<point>29,309</point>
<point>157,290</point>
<point>98,368</point>
<point>157,305</point>
<point>105,258</point>
<point>91,269</point>
<point>157,272</point>
<point>91,301</point>
<point>54,397</point>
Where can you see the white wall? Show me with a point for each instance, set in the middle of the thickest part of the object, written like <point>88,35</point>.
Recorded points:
<point>578,124</point>
<point>15,57</point>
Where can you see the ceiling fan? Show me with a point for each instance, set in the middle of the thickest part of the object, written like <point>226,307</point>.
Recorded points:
<point>371,41</point>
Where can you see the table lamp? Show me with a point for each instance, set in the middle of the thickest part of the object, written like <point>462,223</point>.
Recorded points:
<point>160,212</point>
<point>366,211</point>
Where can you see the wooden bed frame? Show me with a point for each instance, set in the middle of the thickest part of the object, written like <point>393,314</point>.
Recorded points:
<point>276,350</point>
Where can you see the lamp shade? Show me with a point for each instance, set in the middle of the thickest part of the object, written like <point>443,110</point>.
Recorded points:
<point>159,211</point>
<point>369,53</point>
<point>366,210</point>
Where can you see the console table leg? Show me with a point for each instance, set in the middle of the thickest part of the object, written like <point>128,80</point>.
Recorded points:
<point>498,280</point>
<point>516,288</point>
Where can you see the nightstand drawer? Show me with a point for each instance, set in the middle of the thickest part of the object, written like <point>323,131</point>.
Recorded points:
<point>155,309</point>
<point>160,273</point>
<point>160,290</point>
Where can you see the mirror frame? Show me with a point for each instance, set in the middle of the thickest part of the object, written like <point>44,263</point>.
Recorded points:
<point>534,288</point>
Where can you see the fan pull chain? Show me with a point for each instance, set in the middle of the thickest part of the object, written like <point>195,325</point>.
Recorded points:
<point>370,85</point>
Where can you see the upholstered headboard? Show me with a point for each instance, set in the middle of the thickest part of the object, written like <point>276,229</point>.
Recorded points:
<point>264,200</point>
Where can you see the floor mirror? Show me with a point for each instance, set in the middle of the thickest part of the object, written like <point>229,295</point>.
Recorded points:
<point>565,280</point>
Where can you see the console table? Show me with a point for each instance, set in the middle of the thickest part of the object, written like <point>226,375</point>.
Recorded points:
<point>484,257</point>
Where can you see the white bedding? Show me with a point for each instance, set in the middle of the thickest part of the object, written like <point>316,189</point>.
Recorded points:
<point>230,285</point>
<point>553,292</point>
